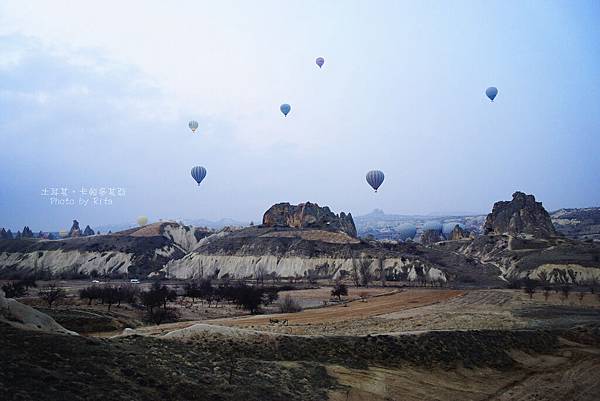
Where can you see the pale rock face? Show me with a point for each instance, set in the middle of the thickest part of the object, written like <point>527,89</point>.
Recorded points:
<point>182,240</point>
<point>25,317</point>
<point>564,273</point>
<point>59,260</point>
<point>199,265</point>
<point>182,237</point>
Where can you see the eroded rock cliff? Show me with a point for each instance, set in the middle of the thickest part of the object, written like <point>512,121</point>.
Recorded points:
<point>521,215</point>
<point>308,215</point>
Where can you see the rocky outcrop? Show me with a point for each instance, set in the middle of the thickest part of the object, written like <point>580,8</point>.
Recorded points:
<point>308,215</point>
<point>23,316</point>
<point>458,233</point>
<point>27,233</point>
<point>581,223</point>
<point>75,231</point>
<point>4,234</point>
<point>556,260</point>
<point>521,215</point>
<point>429,237</point>
<point>88,231</point>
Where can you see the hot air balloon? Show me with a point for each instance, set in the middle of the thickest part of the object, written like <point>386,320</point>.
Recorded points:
<point>433,226</point>
<point>285,109</point>
<point>320,61</point>
<point>198,173</point>
<point>142,221</point>
<point>491,92</point>
<point>406,231</point>
<point>193,125</point>
<point>375,178</point>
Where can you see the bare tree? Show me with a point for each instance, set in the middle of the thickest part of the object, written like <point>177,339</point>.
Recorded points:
<point>338,290</point>
<point>381,271</point>
<point>260,272</point>
<point>361,271</point>
<point>51,294</point>
<point>529,287</point>
<point>547,290</point>
<point>289,305</point>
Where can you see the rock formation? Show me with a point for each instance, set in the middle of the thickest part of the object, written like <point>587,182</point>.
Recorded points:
<point>25,317</point>
<point>27,233</point>
<point>308,215</point>
<point>75,231</point>
<point>3,234</point>
<point>430,237</point>
<point>458,233</point>
<point>88,231</point>
<point>521,215</point>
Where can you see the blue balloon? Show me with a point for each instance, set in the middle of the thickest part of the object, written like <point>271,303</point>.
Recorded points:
<point>198,173</point>
<point>406,231</point>
<point>285,109</point>
<point>433,226</point>
<point>375,179</point>
<point>491,92</point>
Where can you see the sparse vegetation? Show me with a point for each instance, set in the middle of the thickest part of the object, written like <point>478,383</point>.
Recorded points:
<point>339,290</point>
<point>289,305</point>
<point>51,294</point>
<point>529,286</point>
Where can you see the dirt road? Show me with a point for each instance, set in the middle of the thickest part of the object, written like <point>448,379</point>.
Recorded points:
<point>354,310</point>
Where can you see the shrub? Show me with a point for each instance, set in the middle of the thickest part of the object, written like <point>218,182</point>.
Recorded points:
<point>289,305</point>
<point>339,290</point>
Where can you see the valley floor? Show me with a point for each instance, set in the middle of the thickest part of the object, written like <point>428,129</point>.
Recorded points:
<point>407,344</point>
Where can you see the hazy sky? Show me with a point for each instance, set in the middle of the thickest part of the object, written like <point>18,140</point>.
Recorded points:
<point>99,94</point>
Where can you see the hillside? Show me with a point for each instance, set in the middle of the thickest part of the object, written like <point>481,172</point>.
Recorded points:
<point>137,251</point>
<point>578,223</point>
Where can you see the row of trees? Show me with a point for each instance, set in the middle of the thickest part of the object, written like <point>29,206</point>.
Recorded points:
<point>241,294</point>
<point>531,286</point>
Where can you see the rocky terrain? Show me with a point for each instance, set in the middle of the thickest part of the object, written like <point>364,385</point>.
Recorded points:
<point>138,251</point>
<point>216,365</point>
<point>522,242</point>
<point>308,241</point>
<point>520,216</point>
<point>16,314</point>
<point>580,224</point>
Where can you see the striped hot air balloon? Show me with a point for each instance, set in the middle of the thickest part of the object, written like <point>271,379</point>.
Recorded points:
<point>193,125</point>
<point>198,173</point>
<point>375,179</point>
